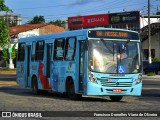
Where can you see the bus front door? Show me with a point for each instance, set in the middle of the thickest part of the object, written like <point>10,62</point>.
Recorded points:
<point>82,67</point>
<point>47,66</point>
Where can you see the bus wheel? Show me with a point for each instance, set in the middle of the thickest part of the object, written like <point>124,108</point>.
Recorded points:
<point>71,90</point>
<point>116,98</point>
<point>35,90</point>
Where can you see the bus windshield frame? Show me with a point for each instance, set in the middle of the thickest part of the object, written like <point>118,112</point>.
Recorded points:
<point>114,56</point>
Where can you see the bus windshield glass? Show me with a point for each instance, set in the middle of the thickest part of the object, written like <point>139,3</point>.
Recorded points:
<point>114,56</point>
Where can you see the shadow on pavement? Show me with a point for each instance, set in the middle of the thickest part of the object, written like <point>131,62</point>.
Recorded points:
<point>8,77</point>
<point>16,90</point>
<point>150,93</point>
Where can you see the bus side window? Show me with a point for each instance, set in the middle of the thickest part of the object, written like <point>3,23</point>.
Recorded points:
<point>33,51</point>
<point>39,50</point>
<point>58,49</point>
<point>70,48</point>
<point>21,51</point>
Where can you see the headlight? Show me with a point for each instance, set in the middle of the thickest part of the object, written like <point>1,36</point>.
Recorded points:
<point>140,76</point>
<point>92,78</point>
<point>139,80</point>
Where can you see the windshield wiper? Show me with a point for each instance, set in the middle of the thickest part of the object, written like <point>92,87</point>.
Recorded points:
<point>127,42</point>
<point>107,46</point>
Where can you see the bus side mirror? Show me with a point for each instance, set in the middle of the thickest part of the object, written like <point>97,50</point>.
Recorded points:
<point>86,45</point>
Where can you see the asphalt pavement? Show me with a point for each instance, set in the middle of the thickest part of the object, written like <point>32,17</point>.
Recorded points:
<point>156,77</point>
<point>9,79</point>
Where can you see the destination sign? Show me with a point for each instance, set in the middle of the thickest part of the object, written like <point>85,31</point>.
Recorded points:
<point>113,34</point>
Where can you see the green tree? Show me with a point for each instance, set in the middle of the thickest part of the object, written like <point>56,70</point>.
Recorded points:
<point>4,38</point>
<point>14,51</point>
<point>58,23</point>
<point>158,13</point>
<point>4,42</point>
<point>12,24</point>
<point>37,20</point>
<point>3,33</point>
<point>3,7</point>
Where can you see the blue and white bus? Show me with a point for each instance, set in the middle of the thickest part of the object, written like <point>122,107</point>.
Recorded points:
<point>91,62</point>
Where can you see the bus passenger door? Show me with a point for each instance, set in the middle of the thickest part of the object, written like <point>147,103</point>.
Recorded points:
<point>28,66</point>
<point>81,66</point>
<point>48,57</point>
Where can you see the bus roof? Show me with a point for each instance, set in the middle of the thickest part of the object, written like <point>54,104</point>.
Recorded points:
<point>68,34</point>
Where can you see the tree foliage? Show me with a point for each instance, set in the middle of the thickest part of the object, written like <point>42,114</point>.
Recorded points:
<point>155,59</point>
<point>13,54</point>
<point>58,23</point>
<point>12,24</point>
<point>158,13</point>
<point>4,39</point>
<point>41,20</point>
<point>3,33</point>
<point>37,20</point>
<point>3,7</point>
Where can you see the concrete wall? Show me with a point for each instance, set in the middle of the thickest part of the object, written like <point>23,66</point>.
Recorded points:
<point>34,32</point>
<point>144,21</point>
<point>155,44</point>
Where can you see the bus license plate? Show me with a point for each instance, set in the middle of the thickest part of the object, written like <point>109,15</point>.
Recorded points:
<point>117,90</point>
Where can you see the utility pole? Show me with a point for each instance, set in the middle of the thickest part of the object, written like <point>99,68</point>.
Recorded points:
<point>149,33</point>
<point>11,65</point>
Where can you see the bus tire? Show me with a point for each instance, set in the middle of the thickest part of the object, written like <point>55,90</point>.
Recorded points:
<point>35,90</point>
<point>116,98</point>
<point>71,90</point>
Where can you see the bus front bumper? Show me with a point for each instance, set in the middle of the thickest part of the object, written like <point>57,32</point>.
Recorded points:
<point>95,89</point>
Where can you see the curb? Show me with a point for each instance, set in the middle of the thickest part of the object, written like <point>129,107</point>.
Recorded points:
<point>8,83</point>
<point>7,72</point>
<point>151,77</point>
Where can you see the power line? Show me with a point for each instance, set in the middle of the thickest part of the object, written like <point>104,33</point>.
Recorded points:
<point>106,7</point>
<point>91,10</point>
<point>41,7</point>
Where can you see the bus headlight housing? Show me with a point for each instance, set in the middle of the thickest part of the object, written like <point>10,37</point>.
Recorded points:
<point>92,78</point>
<point>139,80</point>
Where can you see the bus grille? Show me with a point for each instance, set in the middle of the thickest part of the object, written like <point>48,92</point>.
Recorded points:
<point>116,82</point>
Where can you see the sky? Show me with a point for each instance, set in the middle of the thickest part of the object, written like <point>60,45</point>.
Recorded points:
<point>62,9</point>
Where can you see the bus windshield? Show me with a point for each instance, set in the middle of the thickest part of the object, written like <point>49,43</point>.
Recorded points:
<point>114,56</point>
